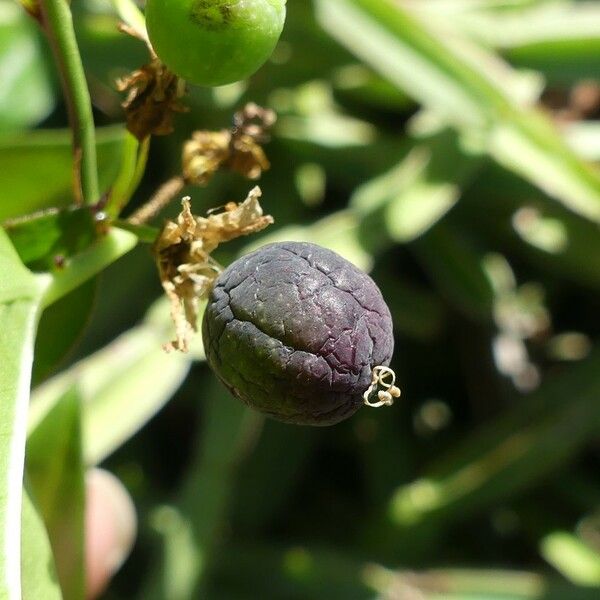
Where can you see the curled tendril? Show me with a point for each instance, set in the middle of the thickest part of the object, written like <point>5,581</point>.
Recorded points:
<point>384,378</point>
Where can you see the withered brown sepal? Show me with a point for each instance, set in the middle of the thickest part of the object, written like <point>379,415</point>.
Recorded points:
<point>238,149</point>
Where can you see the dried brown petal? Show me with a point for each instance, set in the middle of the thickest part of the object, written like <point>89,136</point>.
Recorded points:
<point>247,158</point>
<point>238,149</point>
<point>204,155</point>
<point>153,96</point>
<point>183,255</point>
<point>254,121</point>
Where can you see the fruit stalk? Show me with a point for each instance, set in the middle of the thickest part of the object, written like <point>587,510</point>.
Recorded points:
<point>57,23</point>
<point>161,199</point>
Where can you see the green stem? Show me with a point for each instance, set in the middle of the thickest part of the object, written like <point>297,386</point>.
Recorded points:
<point>144,233</point>
<point>58,24</point>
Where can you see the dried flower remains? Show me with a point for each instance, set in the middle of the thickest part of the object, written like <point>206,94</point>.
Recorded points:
<point>183,255</point>
<point>153,96</point>
<point>238,149</point>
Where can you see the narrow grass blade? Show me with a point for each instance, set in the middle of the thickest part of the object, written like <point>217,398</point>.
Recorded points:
<point>402,204</point>
<point>574,559</point>
<point>469,88</point>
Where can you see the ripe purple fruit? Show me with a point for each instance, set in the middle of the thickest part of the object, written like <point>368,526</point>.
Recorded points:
<point>295,330</point>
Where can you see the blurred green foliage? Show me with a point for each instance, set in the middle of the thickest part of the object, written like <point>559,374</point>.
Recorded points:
<point>450,147</point>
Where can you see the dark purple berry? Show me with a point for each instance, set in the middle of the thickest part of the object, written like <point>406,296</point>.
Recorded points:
<point>294,330</point>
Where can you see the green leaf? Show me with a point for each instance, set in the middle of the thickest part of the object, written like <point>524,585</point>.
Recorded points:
<point>122,386</point>
<point>106,52</point>
<point>356,84</point>
<point>551,238</point>
<point>55,471</point>
<point>26,94</point>
<point>458,83</point>
<point>132,393</point>
<point>70,235</point>
<point>273,571</point>
<point>39,579</point>
<point>60,327</point>
<point>560,39</point>
<point>133,165</point>
<point>529,145</point>
<point>85,265</point>
<point>20,299</point>
<point>584,138</point>
<point>144,233</point>
<point>42,238</point>
<point>327,129</point>
<point>485,584</point>
<point>37,168</point>
<point>252,509</point>
<point>129,13</point>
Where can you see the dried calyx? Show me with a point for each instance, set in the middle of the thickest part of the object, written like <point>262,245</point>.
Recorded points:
<point>183,255</point>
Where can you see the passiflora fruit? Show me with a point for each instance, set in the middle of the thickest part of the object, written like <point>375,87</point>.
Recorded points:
<point>214,42</point>
<point>296,331</point>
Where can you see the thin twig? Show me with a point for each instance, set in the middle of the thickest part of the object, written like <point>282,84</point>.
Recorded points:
<point>57,22</point>
<point>163,196</point>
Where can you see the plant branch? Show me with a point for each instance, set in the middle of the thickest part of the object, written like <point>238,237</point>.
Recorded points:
<point>162,198</point>
<point>58,25</point>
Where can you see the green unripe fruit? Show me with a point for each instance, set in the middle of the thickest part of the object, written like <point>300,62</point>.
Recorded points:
<point>214,42</point>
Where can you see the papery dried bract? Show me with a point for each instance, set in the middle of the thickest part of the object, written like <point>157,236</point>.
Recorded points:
<point>183,254</point>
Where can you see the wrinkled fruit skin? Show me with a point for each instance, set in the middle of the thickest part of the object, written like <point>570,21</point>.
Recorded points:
<point>294,330</point>
<point>214,42</point>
